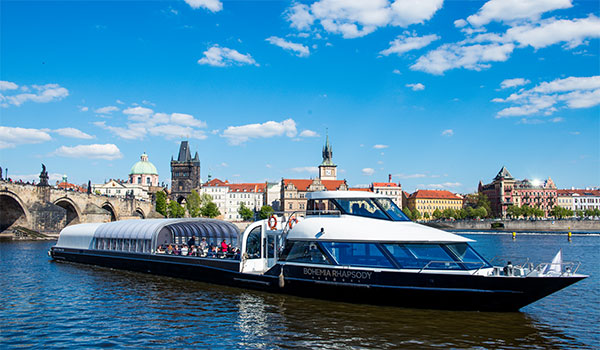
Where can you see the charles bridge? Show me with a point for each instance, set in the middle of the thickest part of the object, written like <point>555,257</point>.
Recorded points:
<point>48,210</point>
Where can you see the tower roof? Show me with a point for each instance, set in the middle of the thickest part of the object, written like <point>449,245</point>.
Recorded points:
<point>143,167</point>
<point>327,154</point>
<point>504,173</point>
<point>184,152</point>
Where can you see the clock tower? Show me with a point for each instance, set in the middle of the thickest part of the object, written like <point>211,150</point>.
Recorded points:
<point>327,170</point>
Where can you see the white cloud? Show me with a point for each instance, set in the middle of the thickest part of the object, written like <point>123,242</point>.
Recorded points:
<point>448,132</point>
<point>43,94</point>
<point>445,185</point>
<point>96,151</point>
<point>408,42</point>
<point>511,10</point>
<point>106,110</point>
<point>7,85</point>
<point>396,71</point>
<point>240,134</point>
<point>458,55</point>
<point>131,132</point>
<point>410,176</point>
<point>548,97</point>
<point>52,177</point>
<point>72,132</point>
<point>83,109</point>
<point>380,146</point>
<point>211,5</point>
<point>308,133</point>
<point>552,31</point>
<point>355,18</point>
<point>509,83</point>
<point>459,23</point>
<point>187,120</point>
<point>217,56</point>
<point>11,137</point>
<point>170,131</point>
<point>299,49</point>
<point>138,113</point>
<point>368,171</point>
<point>306,169</point>
<point>416,87</point>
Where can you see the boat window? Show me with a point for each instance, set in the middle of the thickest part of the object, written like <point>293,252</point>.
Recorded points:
<point>357,254</point>
<point>391,209</point>
<point>361,207</point>
<point>307,252</point>
<point>466,254</point>
<point>253,244</point>
<point>418,256</point>
<point>270,246</point>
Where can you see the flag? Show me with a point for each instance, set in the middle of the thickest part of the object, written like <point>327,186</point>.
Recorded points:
<point>556,265</point>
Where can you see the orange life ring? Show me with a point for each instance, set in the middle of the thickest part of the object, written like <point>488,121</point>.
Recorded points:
<point>272,222</point>
<point>293,221</point>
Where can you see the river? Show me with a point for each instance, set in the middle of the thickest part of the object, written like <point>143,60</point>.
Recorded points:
<point>47,304</point>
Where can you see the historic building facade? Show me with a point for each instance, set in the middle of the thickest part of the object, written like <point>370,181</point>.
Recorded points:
<point>229,197</point>
<point>578,199</point>
<point>143,172</point>
<point>428,201</point>
<point>293,191</point>
<point>185,173</point>
<point>505,191</point>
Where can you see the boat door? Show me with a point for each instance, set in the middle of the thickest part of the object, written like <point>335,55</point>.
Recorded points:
<point>272,247</point>
<point>254,254</point>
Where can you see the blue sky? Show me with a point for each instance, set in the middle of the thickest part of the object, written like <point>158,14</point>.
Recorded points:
<point>440,94</point>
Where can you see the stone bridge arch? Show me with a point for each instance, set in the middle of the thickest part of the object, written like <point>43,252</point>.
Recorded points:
<point>13,210</point>
<point>111,209</point>
<point>73,212</point>
<point>140,213</point>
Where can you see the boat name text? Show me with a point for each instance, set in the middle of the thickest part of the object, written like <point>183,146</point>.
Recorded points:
<point>338,273</point>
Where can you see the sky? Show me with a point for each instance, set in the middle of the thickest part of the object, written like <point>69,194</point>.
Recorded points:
<point>439,94</point>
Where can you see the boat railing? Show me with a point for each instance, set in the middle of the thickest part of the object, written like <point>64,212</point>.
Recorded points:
<point>505,259</point>
<point>570,268</point>
<point>463,264</point>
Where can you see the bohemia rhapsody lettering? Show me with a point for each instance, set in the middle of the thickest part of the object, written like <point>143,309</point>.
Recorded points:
<point>338,273</point>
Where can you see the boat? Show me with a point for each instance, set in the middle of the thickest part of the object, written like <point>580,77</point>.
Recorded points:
<point>346,246</point>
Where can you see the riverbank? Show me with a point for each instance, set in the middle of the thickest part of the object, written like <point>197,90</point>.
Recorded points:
<point>579,226</point>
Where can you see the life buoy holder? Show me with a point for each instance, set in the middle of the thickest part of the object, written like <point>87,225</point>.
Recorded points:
<point>272,222</point>
<point>292,221</point>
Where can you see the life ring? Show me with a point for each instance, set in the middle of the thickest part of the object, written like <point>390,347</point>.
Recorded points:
<point>272,222</point>
<point>292,221</point>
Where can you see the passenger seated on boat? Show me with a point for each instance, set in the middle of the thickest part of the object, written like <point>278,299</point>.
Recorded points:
<point>184,250</point>
<point>203,244</point>
<point>191,241</point>
<point>212,253</point>
<point>177,251</point>
<point>193,251</point>
<point>224,247</point>
<point>237,254</point>
<point>170,249</point>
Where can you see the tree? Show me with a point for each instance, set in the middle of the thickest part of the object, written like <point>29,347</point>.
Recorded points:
<point>161,203</point>
<point>210,210</point>
<point>480,212</point>
<point>426,215</point>
<point>265,212</point>
<point>245,213</point>
<point>193,203</point>
<point>437,214</point>
<point>175,210</point>
<point>483,201</point>
<point>448,213</point>
<point>538,213</point>
<point>408,212</point>
<point>416,214</point>
<point>514,211</point>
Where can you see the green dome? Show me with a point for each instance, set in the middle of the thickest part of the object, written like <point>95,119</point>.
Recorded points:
<point>143,167</point>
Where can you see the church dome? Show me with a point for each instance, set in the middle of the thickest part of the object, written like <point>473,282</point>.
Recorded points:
<point>143,167</point>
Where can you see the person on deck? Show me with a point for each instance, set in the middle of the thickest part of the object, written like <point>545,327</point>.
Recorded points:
<point>191,241</point>
<point>224,247</point>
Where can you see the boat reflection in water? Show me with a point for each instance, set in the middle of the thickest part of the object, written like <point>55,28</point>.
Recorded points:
<point>348,246</point>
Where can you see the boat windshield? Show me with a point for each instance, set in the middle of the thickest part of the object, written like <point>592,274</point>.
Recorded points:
<point>391,209</point>
<point>378,208</point>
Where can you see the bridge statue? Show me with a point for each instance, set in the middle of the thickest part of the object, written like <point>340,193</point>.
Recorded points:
<point>43,177</point>
<point>1,173</point>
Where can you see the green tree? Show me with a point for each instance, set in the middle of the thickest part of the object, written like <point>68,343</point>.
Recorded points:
<point>408,212</point>
<point>426,215</point>
<point>448,213</point>
<point>161,203</point>
<point>416,214</point>
<point>538,213</point>
<point>461,213</point>
<point>514,211</point>
<point>437,214</point>
<point>193,204</point>
<point>175,210</point>
<point>484,202</point>
<point>480,212</point>
<point>246,213</point>
<point>470,213</point>
<point>210,210</point>
<point>265,212</point>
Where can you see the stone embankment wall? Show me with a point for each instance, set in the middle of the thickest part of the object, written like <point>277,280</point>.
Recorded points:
<point>520,225</point>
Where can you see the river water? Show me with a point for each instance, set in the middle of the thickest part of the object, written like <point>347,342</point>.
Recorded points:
<point>55,304</point>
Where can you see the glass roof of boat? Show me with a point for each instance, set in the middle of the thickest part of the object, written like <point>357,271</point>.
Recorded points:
<point>343,194</point>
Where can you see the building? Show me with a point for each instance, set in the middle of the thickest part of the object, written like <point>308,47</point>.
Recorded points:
<point>505,190</point>
<point>122,189</point>
<point>185,173</point>
<point>144,172</point>
<point>65,185</point>
<point>391,189</point>
<point>578,199</point>
<point>293,191</point>
<point>428,201</point>
<point>229,197</point>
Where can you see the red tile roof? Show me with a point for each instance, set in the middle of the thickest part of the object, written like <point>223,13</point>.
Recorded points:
<point>360,189</point>
<point>69,186</point>
<point>578,192</point>
<point>247,187</point>
<point>216,182</point>
<point>303,184</point>
<point>434,194</point>
<point>385,184</point>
